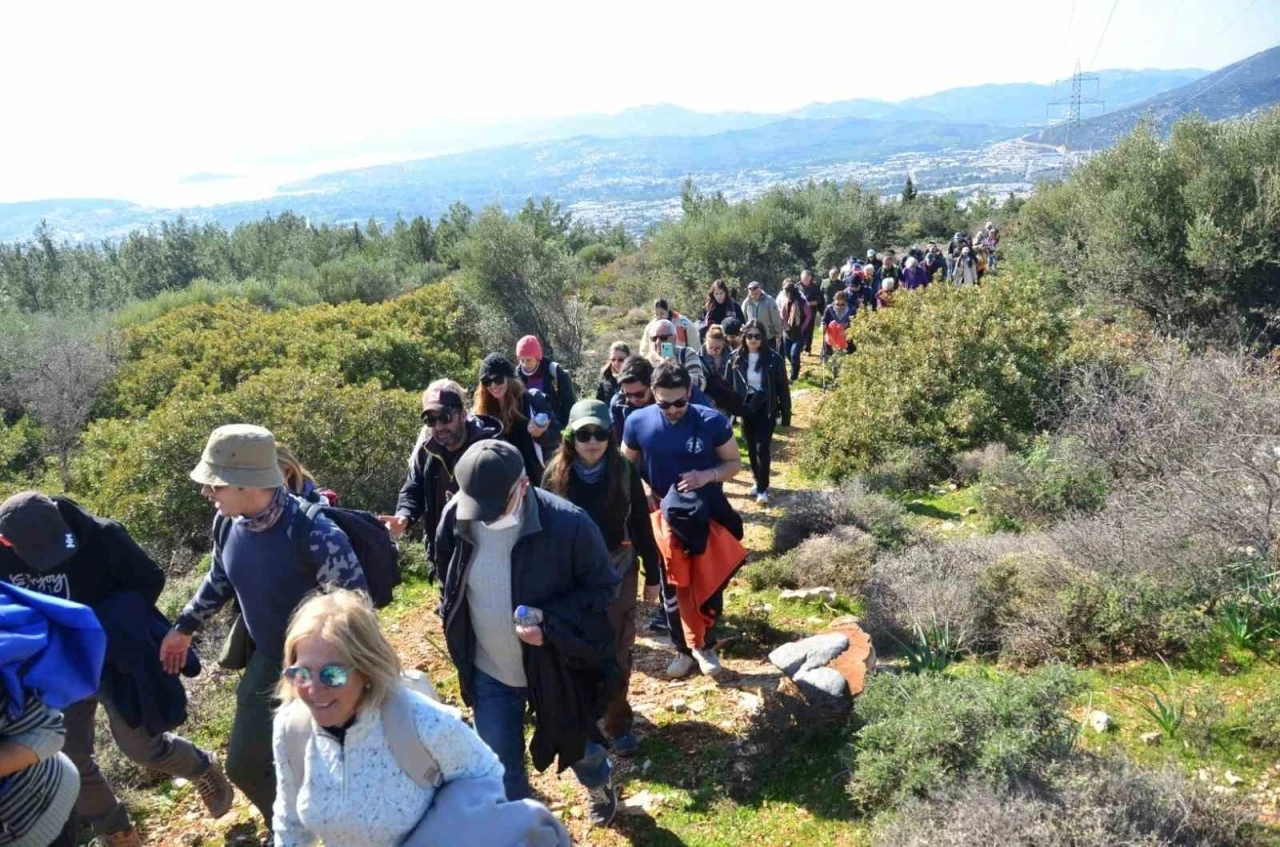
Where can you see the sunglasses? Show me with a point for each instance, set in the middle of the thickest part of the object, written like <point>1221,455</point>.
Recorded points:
<point>660,338</point>
<point>433,418</point>
<point>753,336</point>
<point>584,435</point>
<point>617,358</point>
<point>673,404</point>
<point>497,379</point>
<point>635,395</point>
<point>330,676</point>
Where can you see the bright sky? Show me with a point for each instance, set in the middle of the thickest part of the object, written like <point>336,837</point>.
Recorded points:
<point>121,99</point>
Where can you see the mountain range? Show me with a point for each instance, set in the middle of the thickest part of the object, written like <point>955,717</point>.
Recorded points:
<point>629,167</point>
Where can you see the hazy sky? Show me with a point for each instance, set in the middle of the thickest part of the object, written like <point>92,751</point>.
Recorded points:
<point>122,99</point>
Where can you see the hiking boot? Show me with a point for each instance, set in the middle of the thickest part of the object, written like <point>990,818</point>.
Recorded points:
<point>126,838</point>
<point>681,665</point>
<point>604,804</point>
<point>658,623</point>
<point>763,498</point>
<point>625,745</point>
<point>214,789</point>
<point>708,661</point>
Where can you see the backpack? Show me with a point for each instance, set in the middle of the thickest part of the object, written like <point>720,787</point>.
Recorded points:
<point>370,541</point>
<point>398,726</point>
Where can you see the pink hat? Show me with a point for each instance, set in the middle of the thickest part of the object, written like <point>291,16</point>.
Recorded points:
<point>529,347</point>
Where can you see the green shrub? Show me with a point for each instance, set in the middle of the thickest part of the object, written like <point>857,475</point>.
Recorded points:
<point>928,732</point>
<point>770,572</point>
<point>1263,722</point>
<point>970,464</point>
<point>906,469</point>
<point>19,446</point>
<point>841,559</point>
<point>946,369</point>
<point>353,437</point>
<point>1092,803</point>
<point>1054,478</point>
<point>817,512</point>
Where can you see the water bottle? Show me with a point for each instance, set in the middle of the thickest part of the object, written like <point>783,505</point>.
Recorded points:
<point>541,419</point>
<point>528,617</point>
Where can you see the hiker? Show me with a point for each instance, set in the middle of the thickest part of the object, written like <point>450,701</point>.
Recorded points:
<point>684,331</point>
<point>677,444</point>
<point>993,241</point>
<point>528,421</point>
<point>980,258</point>
<point>953,254</point>
<point>719,307</point>
<point>546,376</point>
<point>966,271</point>
<point>51,656</point>
<point>933,263</point>
<point>589,472</point>
<point>884,297</point>
<point>633,391</point>
<point>54,546</point>
<point>862,290</point>
<point>766,399</point>
<point>762,309</point>
<point>876,262</point>
<point>447,432</point>
<point>263,563</point>
<point>300,481</point>
<point>334,729</point>
<point>835,282</point>
<point>835,326</point>
<point>914,275</point>
<point>889,267</point>
<point>812,292</point>
<point>797,318</point>
<point>715,353</point>
<point>608,385</point>
<point>732,332</point>
<point>526,585</point>
<point>661,335</point>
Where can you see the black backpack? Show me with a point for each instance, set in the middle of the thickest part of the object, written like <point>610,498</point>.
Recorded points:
<point>370,541</point>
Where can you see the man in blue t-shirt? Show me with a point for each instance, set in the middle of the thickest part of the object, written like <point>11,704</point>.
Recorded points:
<point>678,443</point>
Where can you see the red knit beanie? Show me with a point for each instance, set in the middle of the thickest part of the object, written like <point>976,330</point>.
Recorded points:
<point>529,347</point>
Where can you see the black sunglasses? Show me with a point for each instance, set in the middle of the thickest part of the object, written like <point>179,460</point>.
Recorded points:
<point>635,395</point>
<point>433,417</point>
<point>673,404</point>
<point>495,379</point>
<point>584,435</point>
<point>753,336</point>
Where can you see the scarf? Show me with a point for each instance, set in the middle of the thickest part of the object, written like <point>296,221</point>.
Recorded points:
<point>590,475</point>
<point>267,518</point>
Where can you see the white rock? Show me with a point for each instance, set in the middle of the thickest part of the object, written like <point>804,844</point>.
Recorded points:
<point>679,707</point>
<point>1099,720</point>
<point>823,594</point>
<point>1151,739</point>
<point>828,681</point>
<point>1232,779</point>
<point>808,653</point>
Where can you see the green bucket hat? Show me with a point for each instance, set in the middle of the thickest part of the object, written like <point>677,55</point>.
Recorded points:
<point>588,413</point>
<point>242,455</point>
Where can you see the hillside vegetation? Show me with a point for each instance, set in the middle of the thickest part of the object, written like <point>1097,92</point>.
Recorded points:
<point>1047,495</point>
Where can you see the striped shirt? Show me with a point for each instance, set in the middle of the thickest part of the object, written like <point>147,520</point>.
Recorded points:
<point>25,796</point>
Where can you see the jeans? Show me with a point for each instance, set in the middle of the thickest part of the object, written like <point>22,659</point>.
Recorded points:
<point>499,715</point>
<point>170,754</point>
<point>793,355</point>
<point>757,430</point>
<point>250,762</point>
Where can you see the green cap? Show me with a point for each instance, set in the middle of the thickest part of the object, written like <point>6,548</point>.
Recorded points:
<point>588,413</point>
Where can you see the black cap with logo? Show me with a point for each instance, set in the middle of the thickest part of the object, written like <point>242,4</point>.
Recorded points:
<point>30,522</point>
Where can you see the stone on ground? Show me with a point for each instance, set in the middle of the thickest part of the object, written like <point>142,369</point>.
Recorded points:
<point>814,652</point>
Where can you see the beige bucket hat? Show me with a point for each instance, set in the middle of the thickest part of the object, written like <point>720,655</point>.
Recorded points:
<point>239,454</point>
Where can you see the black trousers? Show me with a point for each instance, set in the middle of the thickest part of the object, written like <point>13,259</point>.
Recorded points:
<point>757,429</point>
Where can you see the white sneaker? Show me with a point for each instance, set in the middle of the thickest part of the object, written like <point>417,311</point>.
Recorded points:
<point>752,491</point>
<point>681,665</point>
<point>708,661</point>
<point>763,498</point>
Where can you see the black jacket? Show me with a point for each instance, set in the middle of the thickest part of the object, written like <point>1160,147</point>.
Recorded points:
<point>606,387</point>
<point>108,561</point>
<point>719,311</point>
<point>557,385</point>
<point>132,678</point>
<point>593,498</point>
<point>776,388</point>
<point>430,483</point>
<point>559,564</point>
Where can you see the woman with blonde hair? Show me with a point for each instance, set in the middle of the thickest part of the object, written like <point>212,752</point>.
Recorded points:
<point>300,481</point>
<point>360,755</point>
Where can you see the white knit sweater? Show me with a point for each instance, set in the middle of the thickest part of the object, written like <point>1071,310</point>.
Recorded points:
<point>354,793</point>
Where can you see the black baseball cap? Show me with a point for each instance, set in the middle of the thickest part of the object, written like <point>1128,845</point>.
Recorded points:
<point>30,522</point>
<point>731,326</point>
<point>486,474</point>
<point>440,399</point>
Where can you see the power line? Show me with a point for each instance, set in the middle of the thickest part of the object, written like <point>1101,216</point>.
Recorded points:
<point>1102,37</point>
<point>1212,85</point>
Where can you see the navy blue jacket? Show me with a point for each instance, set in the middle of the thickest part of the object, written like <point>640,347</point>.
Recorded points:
<point>132,678</point>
